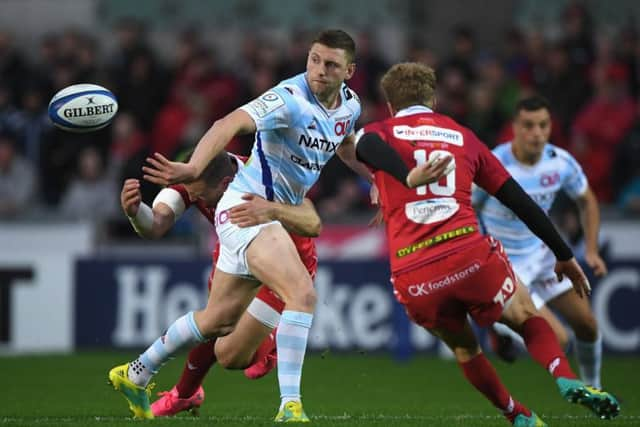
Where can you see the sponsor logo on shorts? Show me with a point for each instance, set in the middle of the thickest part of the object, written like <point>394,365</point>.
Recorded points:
<point>222,217</point>
<point>505,292</point>
<point>435,240</point>
<point>431,210</point>
<point>426,288</point>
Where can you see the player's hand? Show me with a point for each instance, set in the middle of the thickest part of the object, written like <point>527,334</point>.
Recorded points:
<point>163,171</point>
<point>374,195</point>
<point>430,171</point>
<point>254,211</point>
<point>596,263</point>
<point>130,197</point>
<point>574,272</point>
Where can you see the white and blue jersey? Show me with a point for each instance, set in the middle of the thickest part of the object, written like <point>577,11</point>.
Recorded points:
<point>556,170</point>
<point>296,136</point>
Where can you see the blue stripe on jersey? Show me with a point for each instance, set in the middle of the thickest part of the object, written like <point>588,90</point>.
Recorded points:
<point>267,178</point>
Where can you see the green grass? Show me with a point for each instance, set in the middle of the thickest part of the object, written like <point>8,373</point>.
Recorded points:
<point>338,390</point>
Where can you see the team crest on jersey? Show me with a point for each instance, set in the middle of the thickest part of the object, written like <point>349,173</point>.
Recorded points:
<point>549,179</point>
<point>428,133</point>
<point>267,103</point>
<point>431,210</point>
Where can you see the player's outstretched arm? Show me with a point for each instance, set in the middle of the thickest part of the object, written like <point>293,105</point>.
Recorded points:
<point>514,197</point>
<point>347,153</point>
<point>162,171</point>
<point>590,219</point>
<point>302,219</point>
<point>147,222</point>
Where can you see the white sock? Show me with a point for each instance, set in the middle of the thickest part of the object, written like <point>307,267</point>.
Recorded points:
<point>291,343</point>
<point>183,332</point>
<point>589,355</point>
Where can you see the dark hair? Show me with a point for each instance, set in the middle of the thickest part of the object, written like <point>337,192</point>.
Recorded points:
<point>532,103</point>
<point>337,39</point>
<point>221,166</point>
<point>218,168</point>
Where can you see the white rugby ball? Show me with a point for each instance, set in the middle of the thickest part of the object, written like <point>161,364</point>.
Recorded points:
<point>83,108</point>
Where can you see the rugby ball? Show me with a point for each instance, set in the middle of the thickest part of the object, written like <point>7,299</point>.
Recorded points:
<point>83,108</point>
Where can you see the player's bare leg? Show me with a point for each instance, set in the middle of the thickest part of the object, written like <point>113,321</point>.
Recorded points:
<point>237,350</point>
<point>228,299</point>
<point>521,315</point>
<point>577,312</point>
<point>479,372</point>
<point>273,258</point>
<point>505,342</point>
<point>234,351</point>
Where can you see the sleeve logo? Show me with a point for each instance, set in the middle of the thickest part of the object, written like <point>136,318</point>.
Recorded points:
<point>267,103</point>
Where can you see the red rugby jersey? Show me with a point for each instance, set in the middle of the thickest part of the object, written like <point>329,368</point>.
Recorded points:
<point>428,222</point>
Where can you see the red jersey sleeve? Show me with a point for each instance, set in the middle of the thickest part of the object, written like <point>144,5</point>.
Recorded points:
<point>490,173</point>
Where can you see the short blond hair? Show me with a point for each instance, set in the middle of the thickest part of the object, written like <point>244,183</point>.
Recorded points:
<point>409,83</point>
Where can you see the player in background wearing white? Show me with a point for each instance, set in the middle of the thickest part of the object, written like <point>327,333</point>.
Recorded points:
<point>543,170</point>
<point>299,125</point>
<point>237,350</point>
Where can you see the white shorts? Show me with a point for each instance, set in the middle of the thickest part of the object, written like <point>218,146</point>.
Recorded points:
<point>537,273</point>
<point>234,240</point>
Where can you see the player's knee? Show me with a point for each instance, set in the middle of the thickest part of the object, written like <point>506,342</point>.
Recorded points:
<point>230,358</point>
<point>306,298</point>
<point>519,312</point>
<point>301,296</point>
<point>216,326</point>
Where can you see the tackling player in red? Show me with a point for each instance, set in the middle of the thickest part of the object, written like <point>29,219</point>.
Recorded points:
<point>251,345</point>
<point>443,269</point>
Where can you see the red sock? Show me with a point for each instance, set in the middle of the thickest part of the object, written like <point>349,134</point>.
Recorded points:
<point>483,376</point>
<point>200,359</point>
<point>543,346</point>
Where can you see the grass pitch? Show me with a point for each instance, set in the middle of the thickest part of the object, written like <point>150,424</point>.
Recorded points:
<point>338,390</point>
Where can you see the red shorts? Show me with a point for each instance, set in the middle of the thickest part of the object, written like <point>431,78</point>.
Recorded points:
<point>477,280</point>
<point>264,293</point>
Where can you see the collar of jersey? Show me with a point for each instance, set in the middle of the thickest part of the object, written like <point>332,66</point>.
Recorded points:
<point>414,109</point>
<point>512,157</point>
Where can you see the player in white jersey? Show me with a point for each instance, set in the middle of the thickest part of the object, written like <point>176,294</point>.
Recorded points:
<point>543,170</point>
<point>299,125</point>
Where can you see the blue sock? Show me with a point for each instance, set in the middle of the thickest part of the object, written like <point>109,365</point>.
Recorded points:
<point>183,332</point>
<point>291,342</point>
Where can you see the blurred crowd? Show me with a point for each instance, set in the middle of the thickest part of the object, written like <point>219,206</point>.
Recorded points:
<point>591,78</point>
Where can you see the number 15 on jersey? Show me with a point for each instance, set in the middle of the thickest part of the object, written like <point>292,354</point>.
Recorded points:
<point>436,188</point>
